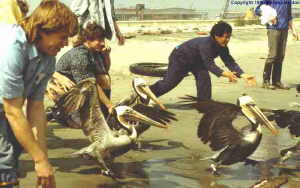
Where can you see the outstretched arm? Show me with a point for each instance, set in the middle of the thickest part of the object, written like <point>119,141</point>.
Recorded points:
<point>235,69</point>
<point>104,99</point>
<point>25,136</point>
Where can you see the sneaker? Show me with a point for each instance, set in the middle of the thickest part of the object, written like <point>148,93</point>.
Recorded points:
<point>267,85</point>
<point>279,85</point>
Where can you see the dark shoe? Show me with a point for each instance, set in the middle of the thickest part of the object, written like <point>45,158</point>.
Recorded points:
<point>279,85</point>
<point>267,85</point>
<point>298,88</point>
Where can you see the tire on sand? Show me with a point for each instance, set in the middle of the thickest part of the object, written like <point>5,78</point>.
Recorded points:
<point>149,69</point>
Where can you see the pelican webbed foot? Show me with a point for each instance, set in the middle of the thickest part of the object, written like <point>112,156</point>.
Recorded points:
<point>285,156</point>
<point>138,146</point>
<point>108,172</point>
<point>213,170</point>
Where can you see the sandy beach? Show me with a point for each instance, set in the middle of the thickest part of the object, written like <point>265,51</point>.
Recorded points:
<point>171,157</point>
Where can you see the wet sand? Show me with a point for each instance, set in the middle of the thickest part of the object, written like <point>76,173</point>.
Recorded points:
<point>171,158</point>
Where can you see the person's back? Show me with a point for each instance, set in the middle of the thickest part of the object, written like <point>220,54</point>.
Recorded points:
<point>193,48</point>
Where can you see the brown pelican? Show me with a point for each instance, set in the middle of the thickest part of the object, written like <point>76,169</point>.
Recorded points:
<point>142,100</point>
<point>141,95</point>
<point>287,119</point>
<point>216,128</point>
<point>105,141</point>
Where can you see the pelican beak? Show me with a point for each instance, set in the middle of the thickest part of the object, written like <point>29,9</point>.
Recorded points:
<point>254,114</point>
<point>136,116</point>
<point>147,91</point>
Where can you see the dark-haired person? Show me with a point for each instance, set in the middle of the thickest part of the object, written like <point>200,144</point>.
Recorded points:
<point>197,56</point>
<point>28,51</point>
<point>89,59</point>
<point>277,40</point>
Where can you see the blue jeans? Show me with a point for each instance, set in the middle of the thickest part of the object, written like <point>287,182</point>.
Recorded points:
<point>10,150</point>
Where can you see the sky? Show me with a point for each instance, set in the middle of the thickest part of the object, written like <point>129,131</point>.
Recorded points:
<point>213,7</point>
<point>205,5</point>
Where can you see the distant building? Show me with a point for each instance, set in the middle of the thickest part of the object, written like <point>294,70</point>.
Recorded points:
<point>139,11</point>
<point>233,14</point>
<point>161,14</point>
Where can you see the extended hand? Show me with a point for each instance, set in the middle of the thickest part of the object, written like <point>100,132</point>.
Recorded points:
<point>45,173</point>
<point>110,108</point>
<point>106,50</point>
<point>230,75</point>
<point>296,35</point>
<point>121,38</point>
<point>274,21</point>
<point>249,79</point>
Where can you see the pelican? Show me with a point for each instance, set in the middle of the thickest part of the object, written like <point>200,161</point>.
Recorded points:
<point>287,119</point>
<point>106,142</point>
<point>141,95</point>
<point>142,100</point>
<point>216,128</point>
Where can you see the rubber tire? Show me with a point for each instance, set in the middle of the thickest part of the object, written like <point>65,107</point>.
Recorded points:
<point>149,69</point>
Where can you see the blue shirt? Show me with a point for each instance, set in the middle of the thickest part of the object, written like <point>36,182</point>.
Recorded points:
<point>24,70</point>
<point>284,12</point>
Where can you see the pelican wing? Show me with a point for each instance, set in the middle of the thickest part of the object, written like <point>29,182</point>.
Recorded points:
<point>94,124</point>
<point>219,130</point>
<point>155,113</point>
<point>215,126</point>
<point>205,106</point>
<point>74,99</point>
<point>57,86</point>
<point>289,119</point>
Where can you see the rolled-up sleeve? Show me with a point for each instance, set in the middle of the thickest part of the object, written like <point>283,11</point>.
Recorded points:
<point>208,60</point>
<point>230,62</point>
<point>12,82</point>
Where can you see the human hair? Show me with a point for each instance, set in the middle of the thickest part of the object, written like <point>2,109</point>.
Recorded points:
<point>220,28</point>
<point>50,16</point>
<point>89,32</point>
